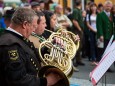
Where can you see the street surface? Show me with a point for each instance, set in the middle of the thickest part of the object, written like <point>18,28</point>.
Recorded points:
<point>81,78</point>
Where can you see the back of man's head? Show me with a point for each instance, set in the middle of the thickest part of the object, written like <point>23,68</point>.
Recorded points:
<point>78,2</point>
<point>8,14</point>
<point>68,9</point>
<point>34,4</point>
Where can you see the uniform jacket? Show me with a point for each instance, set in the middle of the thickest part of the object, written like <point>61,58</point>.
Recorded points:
<point>77,15</point>
<point>104,26</point>
<point>19,62</point>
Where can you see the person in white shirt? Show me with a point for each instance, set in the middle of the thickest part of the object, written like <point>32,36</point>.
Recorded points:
<point>91,23</point>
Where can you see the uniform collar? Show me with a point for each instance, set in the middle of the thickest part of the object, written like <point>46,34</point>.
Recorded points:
<point>107,13</point>
<point>12,30</point>
<point>41,38</point>
<point>17,34</point>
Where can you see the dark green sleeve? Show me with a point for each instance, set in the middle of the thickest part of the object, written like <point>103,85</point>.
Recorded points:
<point>113,17</point>
<point>75,15</point>
<point>99,26</point>
<point>15,68</point>
<point>1,30</point>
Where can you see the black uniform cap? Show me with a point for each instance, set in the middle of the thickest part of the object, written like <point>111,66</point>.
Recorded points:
<point>34,4</point>
<point>9,13</point>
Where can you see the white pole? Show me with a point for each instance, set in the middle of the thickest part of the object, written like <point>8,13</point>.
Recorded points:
<point>72,4</point>
<point>83,3</point>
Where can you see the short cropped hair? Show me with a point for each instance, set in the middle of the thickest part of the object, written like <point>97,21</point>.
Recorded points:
<point>100,5</point>
<point>8,14</point>
<point>23,14</point>
<point>68,9</point>
<point>78,2</point>
<point>39,14</point>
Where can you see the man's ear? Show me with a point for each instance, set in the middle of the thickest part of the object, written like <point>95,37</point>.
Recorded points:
<point>25,24</point>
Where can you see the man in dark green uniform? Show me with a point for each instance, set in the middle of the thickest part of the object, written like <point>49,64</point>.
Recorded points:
<point>19,60</point>
<point>104,24</point>
<point>78,28</point>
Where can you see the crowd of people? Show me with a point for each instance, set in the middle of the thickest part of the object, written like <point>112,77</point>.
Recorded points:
<point>22,30</point>
<point>96,28</point>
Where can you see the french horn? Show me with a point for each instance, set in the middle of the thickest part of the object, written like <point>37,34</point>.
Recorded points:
<point>55,56</point>
<point>68,44</point>
<point>60,57</point>
<point>71,36</point>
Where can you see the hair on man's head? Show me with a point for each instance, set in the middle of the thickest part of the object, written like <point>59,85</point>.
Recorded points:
<point>78,2</point>
<point>23,14</point>
<point>39,14</point>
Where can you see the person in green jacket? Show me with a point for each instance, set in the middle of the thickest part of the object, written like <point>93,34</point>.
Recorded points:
<point>113,18</point>
<point>78,26</point>
<point>104,25</point>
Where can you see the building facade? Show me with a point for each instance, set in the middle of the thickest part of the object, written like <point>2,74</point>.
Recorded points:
<point>70,3</point>
<point>102,1</point>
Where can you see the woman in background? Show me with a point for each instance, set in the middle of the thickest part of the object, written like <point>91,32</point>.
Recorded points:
<point>51,20</point>
<point>91,24</point>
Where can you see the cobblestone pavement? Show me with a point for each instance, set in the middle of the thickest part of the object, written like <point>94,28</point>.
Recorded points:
<point>81,78</point>
<point>82,82</point>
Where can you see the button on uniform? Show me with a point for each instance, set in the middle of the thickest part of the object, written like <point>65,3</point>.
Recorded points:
<point>31,59</point>
<point>35,65</point>
<point>37,69</point>
<point>33,62</point>
<point>31,46</point>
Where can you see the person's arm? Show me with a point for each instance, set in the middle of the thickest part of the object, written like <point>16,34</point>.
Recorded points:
<point>68,23</point>
<point>75,20</point>
<point>16,70</point>
<point>76,24</point>
<point>99,26</point>
<point>90,27</point>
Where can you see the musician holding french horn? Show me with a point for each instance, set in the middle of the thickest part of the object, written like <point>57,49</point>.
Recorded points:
<point>53,47</point>
<point>38,37</point>
<point>19,60</point>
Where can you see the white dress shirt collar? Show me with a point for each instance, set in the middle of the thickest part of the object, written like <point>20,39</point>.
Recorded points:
<point>10,29</point>
<point>107,13</point>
